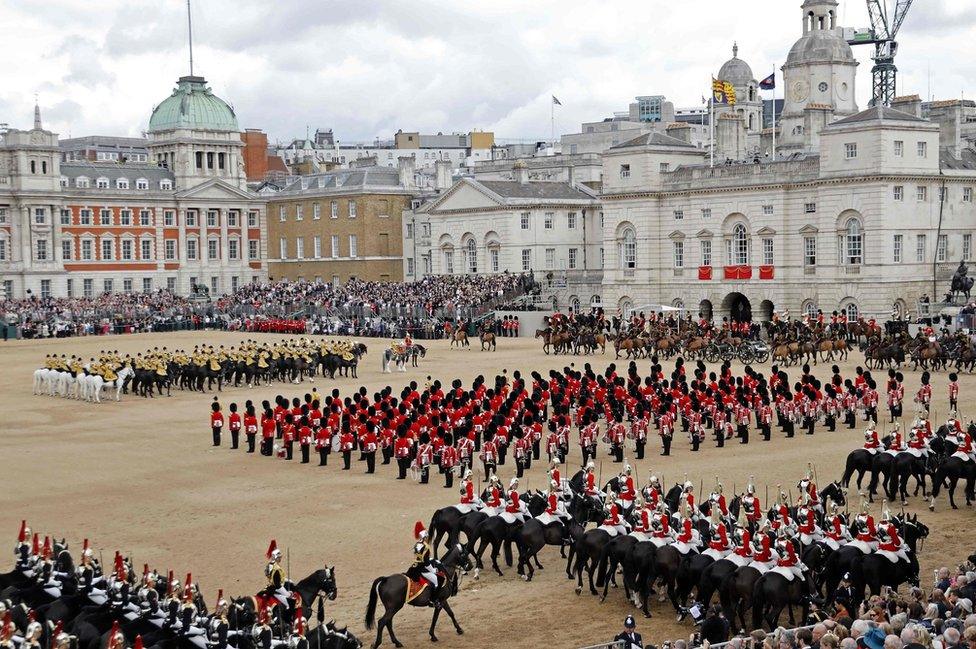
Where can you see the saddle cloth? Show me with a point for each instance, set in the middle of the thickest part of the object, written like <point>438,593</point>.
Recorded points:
<point>415,588</point>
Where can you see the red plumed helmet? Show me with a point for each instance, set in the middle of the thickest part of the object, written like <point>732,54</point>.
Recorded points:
<point>188,586</point>
<point>119,566</point>
<point>271,549</point>
<point>84,547</point>
<point>22,535</point>
<point>46,550</point>
<point>418,530</point>
<point>169,584</point>
<point>138,643</point>
<point>31,616</point>
<point>36,544</point>
<point>145,569</point>
<point>115,629</point>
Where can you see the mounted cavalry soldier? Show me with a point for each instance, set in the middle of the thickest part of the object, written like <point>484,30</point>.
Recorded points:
<point>718,545</point>
<point>23,550</point>
<point>890,546</point>
<point>424,567</point>
<point>275,575</point>
<point>751,507</point>
<point>865,533</point>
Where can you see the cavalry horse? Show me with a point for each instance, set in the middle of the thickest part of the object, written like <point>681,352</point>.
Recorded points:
<point>460,338</point>
<point>396,591</point>
<point>487,340</point>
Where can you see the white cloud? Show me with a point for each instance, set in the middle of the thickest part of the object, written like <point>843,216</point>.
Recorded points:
<point>368,67</point>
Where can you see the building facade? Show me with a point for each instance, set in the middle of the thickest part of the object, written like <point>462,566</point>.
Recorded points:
<point>341,225</point>
<point>183,218</point>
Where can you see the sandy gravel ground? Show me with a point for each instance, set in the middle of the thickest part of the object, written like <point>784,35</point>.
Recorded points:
<point>140,476</point>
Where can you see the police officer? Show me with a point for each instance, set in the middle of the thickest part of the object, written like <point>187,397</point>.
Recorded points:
<point>629,636</point>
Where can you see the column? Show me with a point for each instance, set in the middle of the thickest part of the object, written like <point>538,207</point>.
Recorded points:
<point>26,252</point>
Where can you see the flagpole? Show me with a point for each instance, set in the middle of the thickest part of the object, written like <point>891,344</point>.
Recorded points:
<point>711,126</point>
<point>774,112</point>
<point>552,124</point>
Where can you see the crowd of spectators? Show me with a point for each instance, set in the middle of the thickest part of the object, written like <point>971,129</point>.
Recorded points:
<point>357,308</point>
<point>941,619</point>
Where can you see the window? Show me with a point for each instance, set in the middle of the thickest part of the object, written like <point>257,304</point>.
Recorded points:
<point>664,167</point>
<point>213,249</point>
<point>147,284</point>
<point>66,249</point>
<point>850,150</point>
<point>571,220</point>
<point>142,183</point>
<point>335,246</point>
<point>524,220</point>
<point>603,258</point>
<point>88,287</point>
<point>526,259</point>
<point>102,183</point>
<point>768,210</point>
<point>679,254</point>
<point>739,246</point>
<point>252,249</point>
<point>899,193</point>
<point>281,213</point>
<point>353,246</point>
<point>548,220</point>
<point>65,217</point>
<point>573,252</point>
<point>126,249</point>
<point>851,311</point>
<point>628,255</point>
<point>920,248</point>
<point>471,251</point>
<point>334,207</point>
<point>40,215</point>
<point>941,247</point>
<point>64,181</point>
<point>923,149</point>
<point>45,288</point>
<point>171,284</point>
<point>679,215</point>
<point>86,249</point>
<point>85,217</point>
<point>550,258</point>
<point>449,261</point>
<point>82,182</point>
<point>169,249</point>
<point>706,213</point>
<point>191,218</point>
<point>316,211</point>
<point>967,246</point>
<point>896,248</point>
<point>212,220</point>
<point>299,212</point>
<point>853,243</point>
<point>300,248</point>
<point>127,285</point>
<point>967,194</point>
<point>809,251</point>
<point>144,219</point>
<point>625,171</point>
<point>810,208</point>
<point>425,229</point>
<point>70,287</point>
<point>767,245</point>
<point>252,219</point>
<point>943,192</point>
<point>233,249</point>
<point>352,209</point>
<point>493,259</point>
<point>169,218</point>
<point>105,217</point>
<point>166,184</point>
<point>899,148</point>
<point>706,252</point>
<point>921,193</point>
<point>106,249</point>
<point>122,183</point>
<point>282,248</point>
<point>410,268</point>
<point>3,249</point>
<point>191,249</point>
<point>125,217</point>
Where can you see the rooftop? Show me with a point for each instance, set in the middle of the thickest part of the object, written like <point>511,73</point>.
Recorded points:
<point>345,180</point>
<point>536,190</point>
<point>879,113</point>
<point>654,139</point>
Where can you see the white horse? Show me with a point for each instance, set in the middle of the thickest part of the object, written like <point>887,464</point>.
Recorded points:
<point>390,356</point>
<point>91,385</point>
<point>43,380</point>
<point>67,385</point>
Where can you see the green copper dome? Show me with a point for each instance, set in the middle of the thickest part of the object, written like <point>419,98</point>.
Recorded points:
<point>192,105</point>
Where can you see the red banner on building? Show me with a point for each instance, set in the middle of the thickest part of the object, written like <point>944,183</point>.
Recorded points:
<point>738,272</point>
<point>705,272</point>
<point>765,272</point>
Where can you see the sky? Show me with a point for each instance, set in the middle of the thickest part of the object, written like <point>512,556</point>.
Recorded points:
<point>366,68</point>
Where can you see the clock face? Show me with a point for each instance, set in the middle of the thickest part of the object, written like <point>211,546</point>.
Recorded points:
<point>800,90</point>
<point>823,86</point>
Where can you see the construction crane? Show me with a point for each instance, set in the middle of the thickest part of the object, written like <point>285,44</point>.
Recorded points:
<point>884,28</point>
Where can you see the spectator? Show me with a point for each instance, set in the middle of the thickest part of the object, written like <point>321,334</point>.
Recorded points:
<point>715,628</point>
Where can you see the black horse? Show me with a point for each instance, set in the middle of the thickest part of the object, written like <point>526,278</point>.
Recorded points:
<point>392,590</point>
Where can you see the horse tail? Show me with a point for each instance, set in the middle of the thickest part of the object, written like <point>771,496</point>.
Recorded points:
<point>602,563</point>
<point>757,602</point>
<point>374,594</point>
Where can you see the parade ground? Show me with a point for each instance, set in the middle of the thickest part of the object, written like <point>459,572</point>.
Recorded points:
<point>141,477</point>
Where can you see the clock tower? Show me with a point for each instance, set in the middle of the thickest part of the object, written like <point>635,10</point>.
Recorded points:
<point>819,78</point>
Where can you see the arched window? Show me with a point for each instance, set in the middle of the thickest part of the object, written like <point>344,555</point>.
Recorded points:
<point>740,246</point>
<point>851,310</point>
<point>853,243</point>
<point>678,303</point>
<point>142,183</point>
<point>574,302</point>
<point>102,183</point>
<point>471,250</point>
<point>809,309</point>
<point>596,301</point>
<point>122,183</point>
<point>82,182</point>
<point>628,250</point>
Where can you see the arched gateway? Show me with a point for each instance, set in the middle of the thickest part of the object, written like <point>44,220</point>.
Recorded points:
<point>738,307</point>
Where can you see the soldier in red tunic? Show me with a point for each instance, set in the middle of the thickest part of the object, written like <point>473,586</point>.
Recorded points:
<point>234,425</point>
<point>402,448</point>
<point>370,443</point>
<point>305,435</point>
<point>250,426</point>
<point>216,421</point>
<point>449,460</point>
<point>268,428</point>
<point>347,444</point>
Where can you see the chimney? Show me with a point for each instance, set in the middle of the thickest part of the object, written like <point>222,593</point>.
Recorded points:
<point>571,175</point>
<point>680,131</point>
<point>521,172</point>
<point>407,166</point>
<point>911,104</point>
<point>443,175</point>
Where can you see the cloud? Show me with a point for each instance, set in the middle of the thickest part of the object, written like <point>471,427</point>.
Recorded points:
<point>369,67</point>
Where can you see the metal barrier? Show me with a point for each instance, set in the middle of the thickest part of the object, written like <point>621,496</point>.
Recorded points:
<point>619,644</point>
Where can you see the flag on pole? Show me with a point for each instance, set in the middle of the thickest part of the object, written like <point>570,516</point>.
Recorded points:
<point>555,101</point>
<point>769,83</point>
<point>722,92</point>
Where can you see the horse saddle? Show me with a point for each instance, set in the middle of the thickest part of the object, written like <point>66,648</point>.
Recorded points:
<point>415,587</point>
